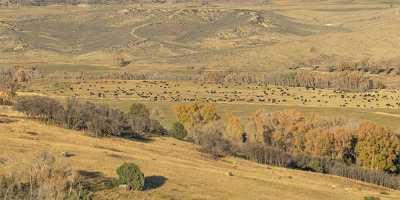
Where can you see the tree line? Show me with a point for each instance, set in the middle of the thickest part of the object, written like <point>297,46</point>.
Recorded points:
<point>96,119</point>
<point>366,151</point>
<point>335,63</point>
<point>344,80</point>
<point>367,144</point>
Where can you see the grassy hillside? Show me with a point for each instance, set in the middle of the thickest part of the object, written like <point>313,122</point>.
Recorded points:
<point>176,169</point>
<point>219,35</point>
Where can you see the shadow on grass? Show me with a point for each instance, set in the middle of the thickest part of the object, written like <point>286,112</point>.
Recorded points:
<point>6,120</point>
<point>144,139</point>
<point>96,180</point>
<point>153,182</point>
<point>108,148</point>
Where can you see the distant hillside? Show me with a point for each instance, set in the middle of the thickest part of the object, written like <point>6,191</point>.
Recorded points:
<point>75,2</point>
<point>267,36</point>
<point>218,35</point>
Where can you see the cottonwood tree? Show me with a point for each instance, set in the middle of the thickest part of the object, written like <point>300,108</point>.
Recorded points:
<point>335,143</point>
<point>10,80</point>
<point>193,114</point>
<point>234,130</point>
<point>377,148</point>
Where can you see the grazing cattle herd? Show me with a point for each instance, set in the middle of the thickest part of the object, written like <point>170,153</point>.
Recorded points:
<point>188,91</point>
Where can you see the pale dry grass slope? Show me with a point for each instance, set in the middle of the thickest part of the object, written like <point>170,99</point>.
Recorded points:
<point>180,170</point>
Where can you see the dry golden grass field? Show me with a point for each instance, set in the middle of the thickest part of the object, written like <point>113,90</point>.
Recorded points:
<point>190,38</point>
<point>178,170</point>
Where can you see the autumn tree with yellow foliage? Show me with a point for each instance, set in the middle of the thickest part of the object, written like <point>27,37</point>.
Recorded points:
<point>335,143</point>
<point>367,145</point>
<point>234,130</point>
<point>285,130</point>
<point>378,148</point>
<point>196,114</point>
<point>194,117</point>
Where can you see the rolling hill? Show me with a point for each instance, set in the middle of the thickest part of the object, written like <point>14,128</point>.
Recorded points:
<point>218,35</point>
<point>178,170</point>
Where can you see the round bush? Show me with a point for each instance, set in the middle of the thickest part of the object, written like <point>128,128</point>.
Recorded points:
<point>178,131</point>
<point>130,174</point>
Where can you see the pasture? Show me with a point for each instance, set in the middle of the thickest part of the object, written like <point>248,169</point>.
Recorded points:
<point>380,106</point>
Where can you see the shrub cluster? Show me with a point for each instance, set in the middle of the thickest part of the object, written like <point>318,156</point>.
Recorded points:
<point>45,178</point>
<point>100,120</point>
<point>40,107</point>
<point>215,144</point>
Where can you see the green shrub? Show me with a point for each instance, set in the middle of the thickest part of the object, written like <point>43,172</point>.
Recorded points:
<point>315,166</point>
<point>178,131</point>
<point>130,174</point>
